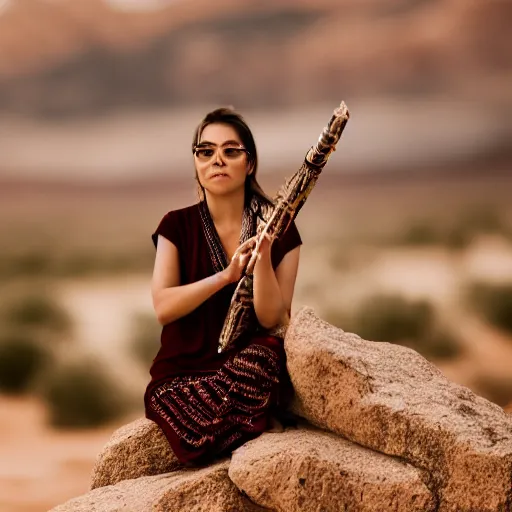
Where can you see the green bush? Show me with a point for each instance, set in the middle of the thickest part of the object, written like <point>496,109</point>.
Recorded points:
<point>145,340</point>
<point>38,311</point>
<point>493,302</point>
<point>21,360</point>
<point>394,319</point>
<point>81,395</point>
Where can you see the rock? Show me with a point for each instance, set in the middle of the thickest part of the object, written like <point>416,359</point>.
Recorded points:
<point>137,449</point>
<point>193,490</point>
<point>309,469</point>
<point>389,398</point>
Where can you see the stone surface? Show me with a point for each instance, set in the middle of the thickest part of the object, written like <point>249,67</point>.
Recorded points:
<point>391,399</point>
<point>309,469</point>
<point>137,449</point>
<point>192,490</point>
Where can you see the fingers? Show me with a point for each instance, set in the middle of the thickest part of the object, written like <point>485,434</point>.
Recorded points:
<point>238,263</point>
<point>240,260</point>
<point>240,249</point>
<point>250,243</point>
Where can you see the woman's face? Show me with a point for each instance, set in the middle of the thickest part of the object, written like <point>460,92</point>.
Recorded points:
<point>220,159</point>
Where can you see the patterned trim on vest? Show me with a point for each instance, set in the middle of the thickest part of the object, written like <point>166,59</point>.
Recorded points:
<point>249,223</point>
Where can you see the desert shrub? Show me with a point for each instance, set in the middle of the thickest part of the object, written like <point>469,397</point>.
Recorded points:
<point>473,222</point>
<point>340,258</point>
<point>81,394</point>
<point>455,235</point>
<point>30,263</point>
<point>394,319</point>
<point>482,219</point>
<point>339,318</point>
<point>47,263</point>
<point>145,340</point>
<point>437,343</point>
<point>78,265</point>
<point>421,233</point>
<point>495,389</point>
<point>459,236</point>
<point>493,302</point>
<point>37,311</point>
<point>21,360</point>
<point>86,264</point>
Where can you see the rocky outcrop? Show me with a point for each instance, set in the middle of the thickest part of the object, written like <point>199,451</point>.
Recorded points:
<point>396,436</point>
<point>194,490</point>
<point>307,469</point>
<point>389,398</point>
<point>137,449</point>
<point>51,62</point>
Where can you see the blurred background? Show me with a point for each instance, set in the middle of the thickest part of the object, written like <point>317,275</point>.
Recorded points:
<point>407,234</point>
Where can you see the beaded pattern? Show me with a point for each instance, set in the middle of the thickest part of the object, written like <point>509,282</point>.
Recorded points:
<point>214,410</point>
<point>216,251</point>
<point>255,212</point>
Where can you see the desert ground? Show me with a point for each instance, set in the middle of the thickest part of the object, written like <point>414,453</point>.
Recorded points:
<point>351,232</point>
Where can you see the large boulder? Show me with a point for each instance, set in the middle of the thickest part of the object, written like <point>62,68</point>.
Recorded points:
<point>308,469</point>
<point>389,398</point>
<point>400,437</point>
<point>194,490</point>
<point>137,449</point>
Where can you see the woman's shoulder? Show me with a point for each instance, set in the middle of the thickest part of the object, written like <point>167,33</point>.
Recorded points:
<point>288,241</point>
<point>184,211</point>
<point>184,217</point>
<point>176,223</point>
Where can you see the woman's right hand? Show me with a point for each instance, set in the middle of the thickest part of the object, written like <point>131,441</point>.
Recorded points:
<point>233,272</point>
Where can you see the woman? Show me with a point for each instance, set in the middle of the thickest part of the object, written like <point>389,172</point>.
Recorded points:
<point>207,403</point>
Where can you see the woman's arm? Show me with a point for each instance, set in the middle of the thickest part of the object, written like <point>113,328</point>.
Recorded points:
<point>170,300</point>
<point>273,291</point>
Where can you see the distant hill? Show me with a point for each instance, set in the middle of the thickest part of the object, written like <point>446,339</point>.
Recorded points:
<point>79,58</point>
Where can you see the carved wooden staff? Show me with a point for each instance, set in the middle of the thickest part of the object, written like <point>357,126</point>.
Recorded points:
<point>287,203</point>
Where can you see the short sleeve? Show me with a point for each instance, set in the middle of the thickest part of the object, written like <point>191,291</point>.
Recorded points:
<point>289,241</point>
<point>169,228</point>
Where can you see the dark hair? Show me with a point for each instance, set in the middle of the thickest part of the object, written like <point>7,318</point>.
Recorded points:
<point>228,116</point>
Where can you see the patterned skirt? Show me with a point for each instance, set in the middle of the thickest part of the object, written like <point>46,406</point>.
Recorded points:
<point>208,415</point>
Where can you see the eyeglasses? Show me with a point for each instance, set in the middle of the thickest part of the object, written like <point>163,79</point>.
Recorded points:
<point>205,153</point>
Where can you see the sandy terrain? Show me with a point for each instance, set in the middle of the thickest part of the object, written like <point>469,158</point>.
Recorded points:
<point>41,467</point>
